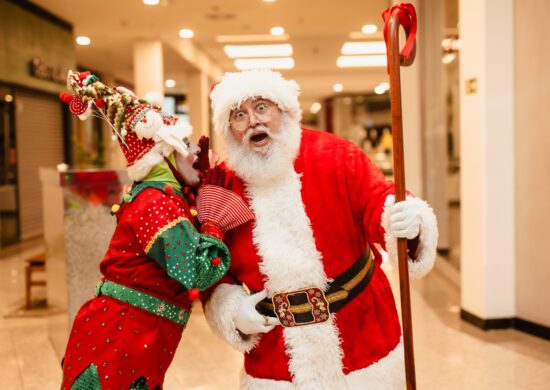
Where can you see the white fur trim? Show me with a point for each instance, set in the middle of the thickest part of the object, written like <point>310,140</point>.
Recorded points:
<point>290,261</point>
<point>236,87</point>
<point>141,168</point>
<point>386,374</point>
<point>428,239</point>
<point>219,312</point>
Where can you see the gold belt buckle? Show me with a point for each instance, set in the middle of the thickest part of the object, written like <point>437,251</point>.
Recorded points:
<point>289,316</point>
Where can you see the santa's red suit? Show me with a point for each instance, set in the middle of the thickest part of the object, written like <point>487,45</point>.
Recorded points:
<point>310,226</point>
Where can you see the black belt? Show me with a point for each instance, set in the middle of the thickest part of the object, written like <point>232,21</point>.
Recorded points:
<point>312,305</point>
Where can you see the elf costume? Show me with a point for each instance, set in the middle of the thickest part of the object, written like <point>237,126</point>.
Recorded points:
<point>313,249</point>
<point>156,263</point>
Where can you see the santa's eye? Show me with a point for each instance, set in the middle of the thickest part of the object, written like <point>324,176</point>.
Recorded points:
<point>239,116</point>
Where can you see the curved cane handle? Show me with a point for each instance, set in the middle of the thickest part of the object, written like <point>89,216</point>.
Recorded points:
<point>401,15</point>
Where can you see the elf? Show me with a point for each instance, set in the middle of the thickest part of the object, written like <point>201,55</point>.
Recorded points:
<point>157,261</point>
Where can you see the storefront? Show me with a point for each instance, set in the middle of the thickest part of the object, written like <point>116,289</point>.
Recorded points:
<point>34,128</point>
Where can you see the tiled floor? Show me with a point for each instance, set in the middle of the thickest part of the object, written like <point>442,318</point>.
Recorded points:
<point>450,354</point>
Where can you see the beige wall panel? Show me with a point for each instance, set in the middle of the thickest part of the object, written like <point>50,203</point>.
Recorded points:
<point>532,160</point>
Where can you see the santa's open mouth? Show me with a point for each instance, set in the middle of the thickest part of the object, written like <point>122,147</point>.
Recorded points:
<point>259,139</point>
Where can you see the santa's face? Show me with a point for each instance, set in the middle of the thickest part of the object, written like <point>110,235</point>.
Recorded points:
<point>267,159</point>
<point>184,164</point>
<point>255,123</point>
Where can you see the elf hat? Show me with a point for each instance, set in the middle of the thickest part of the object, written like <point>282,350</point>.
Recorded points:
<point>237,87</point>
<point>145,134</point>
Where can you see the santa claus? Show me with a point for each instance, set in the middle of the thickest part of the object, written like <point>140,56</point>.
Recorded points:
<point>305,298</point>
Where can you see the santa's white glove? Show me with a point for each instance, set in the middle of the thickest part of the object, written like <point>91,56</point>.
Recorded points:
<point>404,218</point>
<point>247,319</point>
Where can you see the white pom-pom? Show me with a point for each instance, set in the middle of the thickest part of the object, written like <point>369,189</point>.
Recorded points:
<point>114,137</point>
<point>149,125</point>
<point>123,132</point>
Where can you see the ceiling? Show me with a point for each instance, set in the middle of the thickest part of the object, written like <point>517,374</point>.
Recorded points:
<point>317,30</point>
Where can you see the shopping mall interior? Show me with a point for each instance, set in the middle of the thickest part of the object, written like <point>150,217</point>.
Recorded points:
<point>475,148</point>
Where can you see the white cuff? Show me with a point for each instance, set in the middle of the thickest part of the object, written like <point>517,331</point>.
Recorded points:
<point>220,310</point>
<point>427,246</point>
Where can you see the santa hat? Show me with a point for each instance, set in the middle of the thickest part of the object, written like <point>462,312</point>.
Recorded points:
<point>237,87</point>
<point>145,134</point>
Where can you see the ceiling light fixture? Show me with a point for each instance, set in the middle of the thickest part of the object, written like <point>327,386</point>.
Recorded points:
<point>315,108</point>
<point>170,83</point>
<point>337,87</point>
<point>251,38</point>
<point>361,61</point>
<point>151,2</point>
<point>352,48</point>
<point>247,51</point>
<point>277,31</point>
<point>83,40</point>
<point>186,33</point>
<point>369,29</point>
<point>265,63</point>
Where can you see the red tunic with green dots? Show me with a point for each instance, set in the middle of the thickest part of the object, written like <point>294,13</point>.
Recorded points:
<point>156,250</point>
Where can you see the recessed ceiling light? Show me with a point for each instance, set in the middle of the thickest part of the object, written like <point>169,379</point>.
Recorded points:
<point>268,1</point>
<point>240,51</point>
<point>315,108</point>
<point>379,89</point>
<point>151,2</point>
<point>369,29</point>
<point>251,38</point>
<point>352,48</point>
<point>170,83</point>
<point>277,31</point>
<point>361,61</point>
<point>83,40</point>
<point>265,63</point>
<point>337,87</point>
<point>186,33</point>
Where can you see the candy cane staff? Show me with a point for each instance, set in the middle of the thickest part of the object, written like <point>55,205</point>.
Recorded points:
<point>401,15</point>
<point>157,261</point>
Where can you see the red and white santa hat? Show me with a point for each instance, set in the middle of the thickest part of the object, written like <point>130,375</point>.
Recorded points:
<point>237,87</point>
<point>145,134</point>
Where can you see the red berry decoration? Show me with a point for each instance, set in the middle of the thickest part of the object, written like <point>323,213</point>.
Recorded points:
<point>77,106</point>
<point>100,103</point>
<point>193,294</point>
<point>65,97</point>
<point>83,75</point>
<point>168,188</point>
<point>216,261</point>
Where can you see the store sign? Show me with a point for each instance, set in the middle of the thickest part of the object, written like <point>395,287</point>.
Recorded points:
<point>48,72</point>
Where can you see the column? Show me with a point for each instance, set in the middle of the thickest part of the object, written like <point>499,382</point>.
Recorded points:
<point>149,70</point>
<point>198,89</point>
<point>487,159</point>
<point>434,129</point>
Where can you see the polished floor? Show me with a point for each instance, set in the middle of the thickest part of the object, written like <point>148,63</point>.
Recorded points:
<point>450,354</point>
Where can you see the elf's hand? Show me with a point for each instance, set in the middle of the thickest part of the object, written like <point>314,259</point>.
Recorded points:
<point>203,159</point>
<point>218,205</point>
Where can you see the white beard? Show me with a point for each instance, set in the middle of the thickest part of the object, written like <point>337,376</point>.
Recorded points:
<point>274,163</point>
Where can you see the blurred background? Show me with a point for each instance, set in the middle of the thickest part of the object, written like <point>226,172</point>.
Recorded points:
<point>476,142</point>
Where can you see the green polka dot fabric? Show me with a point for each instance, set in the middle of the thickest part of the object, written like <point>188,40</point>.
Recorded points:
<point>88,380</point>
<point>139,384</point>
<point>187,255</point>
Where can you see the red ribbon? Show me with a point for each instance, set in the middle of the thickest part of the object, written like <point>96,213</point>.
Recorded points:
<point>407,18</point>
